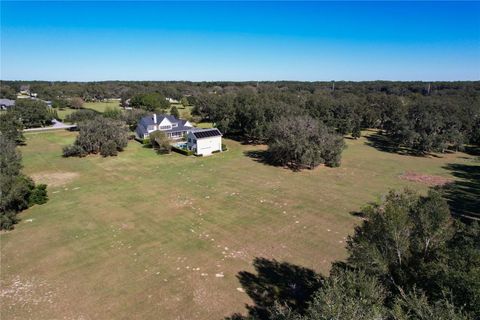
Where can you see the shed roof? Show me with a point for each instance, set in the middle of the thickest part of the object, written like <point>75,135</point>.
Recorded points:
<point>206,133</point>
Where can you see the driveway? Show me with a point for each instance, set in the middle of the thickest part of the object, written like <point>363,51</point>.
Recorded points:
<point>56,126</point>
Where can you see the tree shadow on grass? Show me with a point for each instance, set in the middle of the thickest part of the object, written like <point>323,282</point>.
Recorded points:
<point>463,195</point>
<point>262,156</point>
<point>384,143</point>
<point>277,282</point>
<point>244,140</point>
<point>472,150</point>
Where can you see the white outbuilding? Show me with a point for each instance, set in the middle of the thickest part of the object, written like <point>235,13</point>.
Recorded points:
<point>204,142</point>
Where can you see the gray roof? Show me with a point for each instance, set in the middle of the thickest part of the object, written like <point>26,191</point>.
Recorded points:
<point>7,102</point>
<point>148,121</point>
<point>207,133</point>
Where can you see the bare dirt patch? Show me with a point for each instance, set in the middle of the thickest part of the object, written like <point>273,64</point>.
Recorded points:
<point>54,179</point>
<point>429,180</point>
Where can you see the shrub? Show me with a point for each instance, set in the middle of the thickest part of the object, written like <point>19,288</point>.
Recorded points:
<point>183,151</point>
<point>73,151</point>
<point>38,195</point>
<point>174,112</point>
<point>224,147</point>
<point>109,149</point>
<point>113,113</point>
<point>7,220</point>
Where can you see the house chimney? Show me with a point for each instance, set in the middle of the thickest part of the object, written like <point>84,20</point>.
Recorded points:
<point>155,118</point>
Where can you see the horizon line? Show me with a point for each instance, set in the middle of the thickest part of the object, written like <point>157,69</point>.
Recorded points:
<point>239,81</point>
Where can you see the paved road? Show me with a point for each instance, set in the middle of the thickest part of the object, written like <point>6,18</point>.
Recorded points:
<point>56,126</point>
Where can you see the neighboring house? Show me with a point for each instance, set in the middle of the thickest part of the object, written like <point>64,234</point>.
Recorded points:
<point>171,100</point>
<point>173,127</point>
<point>204,141</point>
<point>6,103</point>
<point>126,105</point>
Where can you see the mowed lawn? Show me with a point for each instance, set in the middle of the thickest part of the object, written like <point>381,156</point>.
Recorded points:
<point>97,106</point>
<point>143,236</point>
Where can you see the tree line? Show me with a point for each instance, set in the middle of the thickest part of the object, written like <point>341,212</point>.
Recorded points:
<point>17,191</point>
<point>414,116</point>
<point>421,123</point>
<point>91,91</point>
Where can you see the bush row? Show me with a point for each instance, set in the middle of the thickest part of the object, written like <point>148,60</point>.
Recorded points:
<point>182,151</point>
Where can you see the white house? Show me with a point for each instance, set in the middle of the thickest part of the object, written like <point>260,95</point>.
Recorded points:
<point>6,103</point>
<point>204,141</point>
<point>173,127</point>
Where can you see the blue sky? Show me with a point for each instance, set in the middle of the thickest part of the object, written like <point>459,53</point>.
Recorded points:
<point>198,41</point>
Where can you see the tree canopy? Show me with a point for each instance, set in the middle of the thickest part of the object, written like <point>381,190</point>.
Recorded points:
<point>160,141</point>
<point>419,117</point>
<point>151,102</point>
<point>11,127</point>
<point>409,259</point>
<point>32,113</point>
<point>302,141</point>
<point>17,191</point>
<point>99,135</point>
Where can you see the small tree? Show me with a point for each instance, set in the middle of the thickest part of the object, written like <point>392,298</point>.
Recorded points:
<point>174,112</point>
<point>356,131</point>
<point>73,151</point>
<point>160,142</point>
<point>76,103</point>
<point>184,102</point>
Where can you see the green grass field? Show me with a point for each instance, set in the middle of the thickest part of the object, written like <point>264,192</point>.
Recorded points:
<point>144,236</point>
<point>101,106</point>
<point>97,106</point>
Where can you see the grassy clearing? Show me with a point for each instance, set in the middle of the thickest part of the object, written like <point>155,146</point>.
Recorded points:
<point>102,106</point>
<point>142,236</point>
<point>205,125</point>
<point>185,112</point>
<point>97,106</point>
